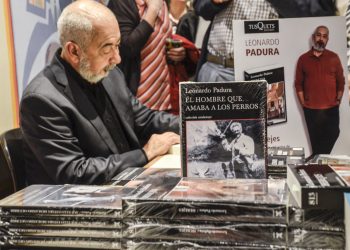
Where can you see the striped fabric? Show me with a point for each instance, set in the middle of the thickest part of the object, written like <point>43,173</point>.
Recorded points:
<point>154,88</point>
<point>221,35</point>
<point>347,17</point>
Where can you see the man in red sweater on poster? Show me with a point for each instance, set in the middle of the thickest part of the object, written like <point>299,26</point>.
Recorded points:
<point>319,83</point>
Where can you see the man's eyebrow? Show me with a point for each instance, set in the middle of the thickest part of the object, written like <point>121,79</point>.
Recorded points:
<point>106,45</point>
<point>110,44</point>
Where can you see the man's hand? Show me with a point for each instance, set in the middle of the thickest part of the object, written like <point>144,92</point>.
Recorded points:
<point>177,54</point>
<point>153,8</point>
<point>159,144</point>
<point>154,5</point>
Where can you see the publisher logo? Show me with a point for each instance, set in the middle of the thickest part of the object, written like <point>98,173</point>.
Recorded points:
<point>313,198</point>
<point>271,26</point>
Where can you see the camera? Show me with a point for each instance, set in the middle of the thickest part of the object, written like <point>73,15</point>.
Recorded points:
<point>171,43</point>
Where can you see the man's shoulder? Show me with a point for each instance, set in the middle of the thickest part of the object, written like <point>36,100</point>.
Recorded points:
<point>38,84</point>
<point>330,53</point>
<point>44,85</point>
<point>305,54</point>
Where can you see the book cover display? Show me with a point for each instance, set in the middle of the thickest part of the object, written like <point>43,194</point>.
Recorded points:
<point>266,45</point>
<point>319,186</point>
<point>223,129</point>
<point>276,94</point>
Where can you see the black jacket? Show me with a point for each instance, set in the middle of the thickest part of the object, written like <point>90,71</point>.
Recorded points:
<point>65,139</point>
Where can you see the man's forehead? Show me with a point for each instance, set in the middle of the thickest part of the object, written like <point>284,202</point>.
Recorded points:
<point>322,31</point>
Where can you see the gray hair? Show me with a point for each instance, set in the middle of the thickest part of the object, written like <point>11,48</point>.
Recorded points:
<point>321,27</point>
<point>75,27</point>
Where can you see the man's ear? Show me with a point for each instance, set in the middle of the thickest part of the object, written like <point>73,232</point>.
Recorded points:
<point>73,51</point>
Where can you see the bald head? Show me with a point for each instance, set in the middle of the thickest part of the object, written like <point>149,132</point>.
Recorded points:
<point>81,20</point>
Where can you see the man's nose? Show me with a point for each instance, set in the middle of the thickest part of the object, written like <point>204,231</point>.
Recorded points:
<point>115,58</point>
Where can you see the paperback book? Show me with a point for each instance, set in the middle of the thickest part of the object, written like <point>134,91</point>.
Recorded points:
<point>223,129</point>
<point>315,239</point>
<point>34,242</point>
<point>238,233</point>
<point>188,245</point>
<point>347,219</point>
<point>133,173</point>
<point>234,200</point>
<point>331,159</point>
<point>125,176</point>
<point>314,219</point>
<point>61,222</point>
<point>276,94</point>
<point>65,232</point>
<point>318,186</point>
<point>64,200</point>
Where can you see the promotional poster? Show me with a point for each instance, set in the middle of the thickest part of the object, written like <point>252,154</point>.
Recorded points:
<point>35,44</point>
<point>266,43</point>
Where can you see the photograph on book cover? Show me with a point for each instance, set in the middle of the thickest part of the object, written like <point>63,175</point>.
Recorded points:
<point>225,148</point>
<point>264,43</point>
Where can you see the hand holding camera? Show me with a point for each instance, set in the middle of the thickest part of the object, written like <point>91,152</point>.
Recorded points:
<point>175,51</point>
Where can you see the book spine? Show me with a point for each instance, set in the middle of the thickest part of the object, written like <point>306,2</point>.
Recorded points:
<point>112,223</point>
<point>254,233</point>
<point>65,232</point>
<point>59,242</point>
<point>196,211</point>
<point>52,211</point>
<point>322,198</point>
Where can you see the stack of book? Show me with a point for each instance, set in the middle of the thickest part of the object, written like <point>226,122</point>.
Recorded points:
<point>279,157</point>
<point>347,219</point>
<point>2,234</point>
<point>71,216</point>
<point>317,210</point>
<point>315,228</point>
<point>206,213</point>
<point>331,159</point>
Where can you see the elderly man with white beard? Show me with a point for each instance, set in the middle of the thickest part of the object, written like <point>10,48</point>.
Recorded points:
<point>80,123</point>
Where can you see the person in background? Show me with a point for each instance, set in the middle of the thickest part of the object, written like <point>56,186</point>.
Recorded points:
<point>184,70</point>
<point>304,8</point>
<point>80,122</point>
<point>216,62</point>
<point>217,52</point>
<point>319,84</point>
<point>144,27</point>
<point>177,9</point>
